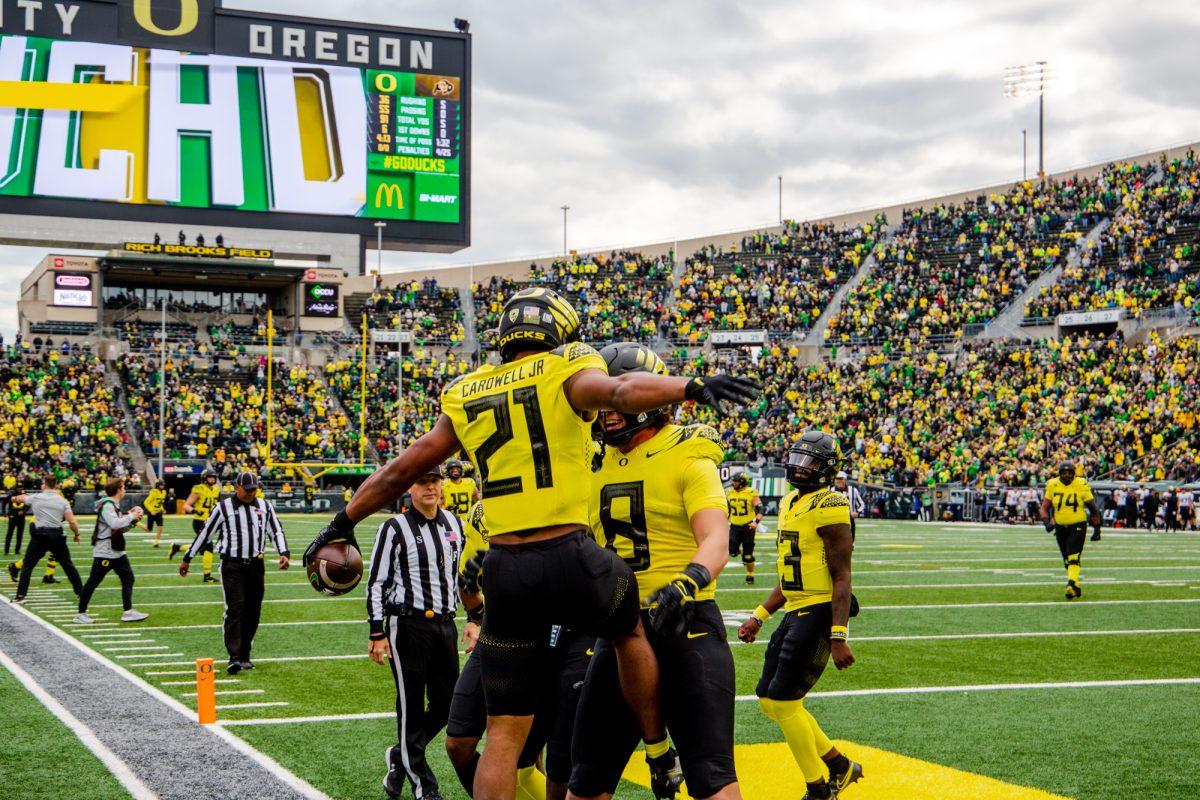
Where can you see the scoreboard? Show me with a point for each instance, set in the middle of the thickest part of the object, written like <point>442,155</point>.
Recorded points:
<point>180,111</point>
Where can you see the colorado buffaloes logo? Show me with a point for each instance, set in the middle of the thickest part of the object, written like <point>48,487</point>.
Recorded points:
<point>189,15</point>
<point>443,88</point>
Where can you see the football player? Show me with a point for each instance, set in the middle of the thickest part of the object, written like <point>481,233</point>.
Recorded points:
<point>200,503</point>
<point>555,717</point>
<point>745,512</point>
<point>1066,511</point>
<point>659,503</point>
<point>526,425</point>
<point>458,492</point>
<point>814,544</point>
<point>154,505</point>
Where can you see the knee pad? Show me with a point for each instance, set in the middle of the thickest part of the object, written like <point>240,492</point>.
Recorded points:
<point>748,558</point>
<point>1072,560</point>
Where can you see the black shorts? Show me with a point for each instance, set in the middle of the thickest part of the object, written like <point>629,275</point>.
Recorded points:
<point>697,692</point>
<point>1070,539</point>
<point>741,540</point>
<point>153,519</point>
<point>197,526</point>
<point>570,581</point>
<point>797,654</point>
<point>555,718</point>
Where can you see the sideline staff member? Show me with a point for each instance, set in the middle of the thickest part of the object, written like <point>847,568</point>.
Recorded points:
<point>412,594</point>
<point>50,509</point>
<point>244,521</point>
<point>108,552</point>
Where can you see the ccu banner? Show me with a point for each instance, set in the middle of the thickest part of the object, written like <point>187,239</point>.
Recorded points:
<point>320,300</point>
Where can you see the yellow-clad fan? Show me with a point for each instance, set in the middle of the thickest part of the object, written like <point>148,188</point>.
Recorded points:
<point>745,512</point>
<point>1066,510</point>
<point>458,492</point>
<point>814,543</point>
<point>200,503</point>
<point>153,505</point>
<point>658,501</point>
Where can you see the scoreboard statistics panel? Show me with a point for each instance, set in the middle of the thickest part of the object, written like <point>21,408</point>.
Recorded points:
<point>183,111</point>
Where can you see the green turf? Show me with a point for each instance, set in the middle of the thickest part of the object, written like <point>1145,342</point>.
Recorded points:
<point>1089,743</point>
<point>41,759</point>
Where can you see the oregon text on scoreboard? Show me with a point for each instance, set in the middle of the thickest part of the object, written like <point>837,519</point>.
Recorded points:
<point>239,118</point>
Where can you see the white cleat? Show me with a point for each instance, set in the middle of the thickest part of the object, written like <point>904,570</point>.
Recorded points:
<point>133,615</point>
<point>83,619</point>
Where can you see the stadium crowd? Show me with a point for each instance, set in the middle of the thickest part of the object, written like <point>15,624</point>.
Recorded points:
<point>433,313</point>
<point>1145,259</point>
<point>58,415</point>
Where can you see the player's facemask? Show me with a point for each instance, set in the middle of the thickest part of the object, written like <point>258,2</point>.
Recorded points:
<point>616,429</point>
<point>807,471</point>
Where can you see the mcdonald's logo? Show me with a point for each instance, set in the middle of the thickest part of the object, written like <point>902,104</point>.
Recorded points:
<point>387,195</point>
<point>189,15</point>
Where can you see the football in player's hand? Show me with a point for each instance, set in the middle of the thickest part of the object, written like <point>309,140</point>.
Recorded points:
<point>336,568</point>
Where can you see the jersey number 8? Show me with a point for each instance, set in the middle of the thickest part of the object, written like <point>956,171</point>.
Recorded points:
<point>634,530</point>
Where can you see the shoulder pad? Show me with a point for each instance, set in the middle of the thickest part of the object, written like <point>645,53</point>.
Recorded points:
<point>450,386</point>
<point>834,499</point>
<point>575,350</point>
<point>702,441</point>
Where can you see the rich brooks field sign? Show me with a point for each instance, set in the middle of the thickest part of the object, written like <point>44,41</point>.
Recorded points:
<point>241,119</point>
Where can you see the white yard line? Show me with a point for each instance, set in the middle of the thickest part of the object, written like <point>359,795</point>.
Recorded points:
<point>280,659</point>
<point>191,682</point>
<point>119,769</point>
<point>221,706</point>
<point>135,647</point>
<point>996,687</point>
<point>1016,635</point>
<point>1020,604</point>
<point>223,692</point>
<point>150,655</point>
<point>241,745</point>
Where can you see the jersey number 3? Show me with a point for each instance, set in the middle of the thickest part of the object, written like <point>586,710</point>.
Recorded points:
<point>498,405</point>
<point>791,560</point>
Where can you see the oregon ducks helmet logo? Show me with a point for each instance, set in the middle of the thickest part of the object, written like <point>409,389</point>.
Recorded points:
<point>189,15</point>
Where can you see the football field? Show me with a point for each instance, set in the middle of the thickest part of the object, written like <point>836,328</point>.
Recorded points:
<point>975,677</point>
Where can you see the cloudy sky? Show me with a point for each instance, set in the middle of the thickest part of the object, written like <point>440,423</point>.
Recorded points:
<point>673,118</point>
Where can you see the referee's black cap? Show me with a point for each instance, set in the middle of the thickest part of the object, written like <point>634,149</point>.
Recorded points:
<point>246,480</point>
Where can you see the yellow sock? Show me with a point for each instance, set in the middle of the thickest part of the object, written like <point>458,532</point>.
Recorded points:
<point>658,748</point>
<point>749,567</point>
<point>157,533</point>
<point>531,784</point>
<point>799,736</point>
<point>19,563</point>
<point>1073,568</point>
<point>50,565</point>
<point>207,562</point>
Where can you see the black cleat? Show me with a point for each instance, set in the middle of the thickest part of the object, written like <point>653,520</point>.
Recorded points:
<point>1096,536</point>
<point>247,664</point>
<point>13,572</point>
<point>666,775</point>
<point>49,579</point>
<point>393,781</point>
<point>234,667</point>
<point>208,578</point>
<point>838,781</point>
<point>1073,590</point>
<point>749,578</point>
<point>173,551</point>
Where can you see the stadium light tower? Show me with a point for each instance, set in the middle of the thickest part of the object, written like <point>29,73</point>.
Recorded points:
<point>565,209</point>
<point>1027,80</point>
<point>379,226</point>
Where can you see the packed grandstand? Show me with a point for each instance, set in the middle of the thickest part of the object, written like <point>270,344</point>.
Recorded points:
<point>927,340</point>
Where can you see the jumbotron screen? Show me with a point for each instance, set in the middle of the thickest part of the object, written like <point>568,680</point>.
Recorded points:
<point>242,119</point>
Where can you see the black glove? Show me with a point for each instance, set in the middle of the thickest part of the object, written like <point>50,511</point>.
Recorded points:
<point>1049,525</point>
<point>340,529</point>
<point>716,390</point>
<point>675,602</point>
<point>468,576</point>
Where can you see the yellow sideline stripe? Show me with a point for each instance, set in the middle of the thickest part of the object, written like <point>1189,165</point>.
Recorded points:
<point>95,97</point>
<point>767,772</point>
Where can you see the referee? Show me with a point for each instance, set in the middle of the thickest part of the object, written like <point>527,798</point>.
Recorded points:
<point>50,510</point>
<point>244,521</point>
<point>853,494</point>
<point>412,595</point>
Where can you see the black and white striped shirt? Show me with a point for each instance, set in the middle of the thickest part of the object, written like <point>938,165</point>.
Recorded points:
<point>415,564</point>
<point>244,528</point>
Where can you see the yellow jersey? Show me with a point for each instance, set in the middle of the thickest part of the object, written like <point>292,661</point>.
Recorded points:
<point>643,502</point>
<point>206,500</point>
<point>803,571</point>
<point>154,501</point>
<point>741,505</point>
<point>475,535</point>
<point>1069,500</point>
<point>530,447</point>
<point>457,497</point>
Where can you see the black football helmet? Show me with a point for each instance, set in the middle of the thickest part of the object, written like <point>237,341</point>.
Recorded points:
<point>740,481</point>
<point>813,460</point>
<point>453,469</point>
<point>1066,470</point>
<point>623,358</point>
<point>208,473</point>
<point>535,318</point>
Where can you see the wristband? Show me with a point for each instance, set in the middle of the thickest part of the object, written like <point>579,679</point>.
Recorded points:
<point>376,628</point>
<point>342,523</point>
<point>699,575</point>
<point>762,615</point>
<point>839,633</point>
<point>475,614</point>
